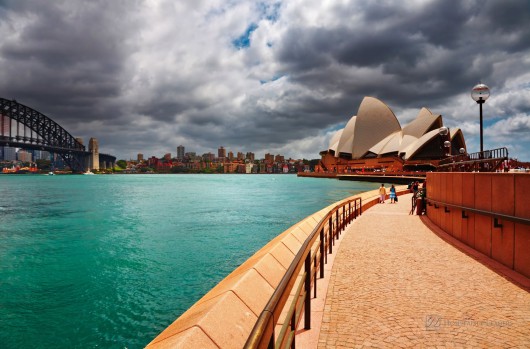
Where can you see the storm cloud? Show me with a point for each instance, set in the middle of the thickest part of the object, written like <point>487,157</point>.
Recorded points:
<point>270,76</point>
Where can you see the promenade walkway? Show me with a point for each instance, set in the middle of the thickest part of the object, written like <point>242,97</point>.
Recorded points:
<point>394,283</point>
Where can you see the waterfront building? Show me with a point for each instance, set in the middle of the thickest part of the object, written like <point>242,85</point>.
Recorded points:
<point>230,156</point>
<point>240,156</point>
<point>279,158</point>
<point>167,156</point>
<point>180,152</point>
<point>140,157</point>
<point>230,167</point>
<point>208,157</point>
<point>269,158</point>
<point>250,156</point>
<point>248,167</point>
<point>373,140</point>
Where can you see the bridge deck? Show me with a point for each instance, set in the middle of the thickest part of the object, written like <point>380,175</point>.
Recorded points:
<point>394,283</point>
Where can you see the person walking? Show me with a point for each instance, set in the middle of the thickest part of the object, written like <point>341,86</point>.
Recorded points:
<point>382,193</point>
<point>392,194</point>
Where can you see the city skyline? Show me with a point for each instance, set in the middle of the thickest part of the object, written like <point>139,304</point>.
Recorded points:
<point>268,76</point>
<point>221,149</point>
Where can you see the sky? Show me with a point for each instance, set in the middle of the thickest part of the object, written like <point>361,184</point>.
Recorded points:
<point>145,76</point>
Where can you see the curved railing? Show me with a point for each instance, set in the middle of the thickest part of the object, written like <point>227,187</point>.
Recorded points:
<point>311,257</point>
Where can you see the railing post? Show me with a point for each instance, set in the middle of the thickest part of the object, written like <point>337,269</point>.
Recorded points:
<point>307,286</point>
<point>343,225</point>
<point>337,229</point>
<point>349,212</point>
<point>331,241</point>
<point>271,342</point>
<point>293,329</point>
<point>323,254</point>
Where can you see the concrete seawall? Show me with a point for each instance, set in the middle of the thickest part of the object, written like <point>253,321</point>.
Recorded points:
<point>225,316</point>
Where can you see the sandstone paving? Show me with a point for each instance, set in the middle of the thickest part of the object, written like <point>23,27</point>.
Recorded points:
<point>396,284</point>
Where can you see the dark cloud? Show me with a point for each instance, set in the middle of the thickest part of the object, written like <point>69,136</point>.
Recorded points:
<point>146,77</point>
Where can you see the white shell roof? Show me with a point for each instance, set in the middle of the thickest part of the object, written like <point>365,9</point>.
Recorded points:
<point>375,121</point>
<point>416,146</point>
<point>334,142</point>
<point>346,140</point>
<point>388,145</point>
<point>419,126</point>
<point>376,129</point>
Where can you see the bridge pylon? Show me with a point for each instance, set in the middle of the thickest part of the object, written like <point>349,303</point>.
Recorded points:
<point>93,148</point>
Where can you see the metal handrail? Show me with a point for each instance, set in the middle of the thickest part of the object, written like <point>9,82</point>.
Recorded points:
<point>493,156</point>
<point>263,333</point>
<point>482,212</point>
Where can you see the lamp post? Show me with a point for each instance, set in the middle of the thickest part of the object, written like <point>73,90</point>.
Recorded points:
<point>480,93</point>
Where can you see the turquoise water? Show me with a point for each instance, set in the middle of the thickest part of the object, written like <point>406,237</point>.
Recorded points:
<point>110,261</point>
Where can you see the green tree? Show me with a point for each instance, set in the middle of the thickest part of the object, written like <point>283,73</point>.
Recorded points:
<point>121,163</point>
<point>43,165</point>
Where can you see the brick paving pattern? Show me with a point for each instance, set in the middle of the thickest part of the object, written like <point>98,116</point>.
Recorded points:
<point>395,284</point>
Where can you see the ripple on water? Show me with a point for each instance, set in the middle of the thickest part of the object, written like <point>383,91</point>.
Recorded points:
<point>110,261</point>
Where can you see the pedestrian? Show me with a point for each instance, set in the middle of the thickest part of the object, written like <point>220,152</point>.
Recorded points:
<point>382,193</point>
<point>415,187</point>
<point>392,194</point>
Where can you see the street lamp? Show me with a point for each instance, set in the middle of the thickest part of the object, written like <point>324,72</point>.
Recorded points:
<point>480,93</point>
<point>444,133</point>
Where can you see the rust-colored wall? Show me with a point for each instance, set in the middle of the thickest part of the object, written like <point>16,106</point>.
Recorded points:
<point>522,232</point>
<point>504,193</point>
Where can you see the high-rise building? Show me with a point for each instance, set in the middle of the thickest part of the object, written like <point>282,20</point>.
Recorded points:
<point>221,152</point>
<point>45,155</point>
<point>230,156</point>
<point>250,156</point>
<point>140,157</point>
<point>190,155</point>
<point>279,158</point>
<point>10,153</point>
<point>269,158</point>
<point>180,152</point>
<point>208,157</point>
<point>24,156</point>
<point>240,156</point>
<point>4,125</point>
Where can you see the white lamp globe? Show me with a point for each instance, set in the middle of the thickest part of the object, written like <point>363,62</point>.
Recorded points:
<point>480,92</point>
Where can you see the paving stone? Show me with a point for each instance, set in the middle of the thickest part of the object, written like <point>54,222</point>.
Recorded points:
<point>394,283</point>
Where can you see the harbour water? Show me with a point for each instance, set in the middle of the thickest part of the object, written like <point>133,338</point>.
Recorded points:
<point>110,261</point>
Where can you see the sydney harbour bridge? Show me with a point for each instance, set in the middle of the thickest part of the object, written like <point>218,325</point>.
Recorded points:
<point>24,127</point>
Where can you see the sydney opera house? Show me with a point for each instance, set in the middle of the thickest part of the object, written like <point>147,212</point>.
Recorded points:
<point>373,140</point>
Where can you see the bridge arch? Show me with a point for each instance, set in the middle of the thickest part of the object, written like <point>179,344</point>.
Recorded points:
<point>25,127</point>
